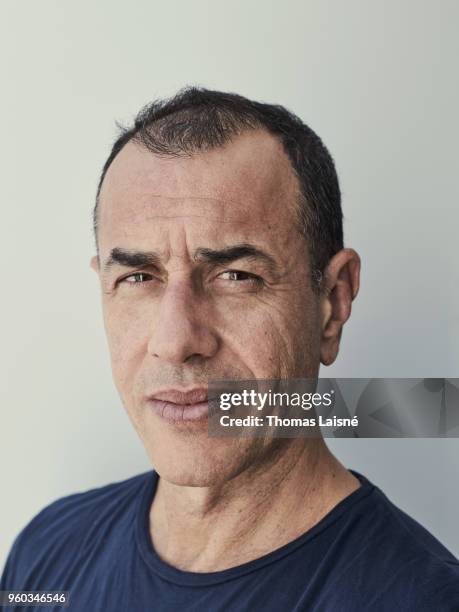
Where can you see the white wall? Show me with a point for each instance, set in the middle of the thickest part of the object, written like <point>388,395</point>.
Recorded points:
<point>376,79</point>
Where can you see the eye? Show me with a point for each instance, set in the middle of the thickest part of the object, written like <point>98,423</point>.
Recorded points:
<point>138,278</point>
<point>237,275</point>
<point>241,277</point>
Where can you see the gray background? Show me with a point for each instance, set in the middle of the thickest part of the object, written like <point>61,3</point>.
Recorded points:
<point>376,79</point>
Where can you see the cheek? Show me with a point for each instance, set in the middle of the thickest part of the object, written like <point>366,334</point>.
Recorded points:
<point>262,337</point>
<point>127,340</point>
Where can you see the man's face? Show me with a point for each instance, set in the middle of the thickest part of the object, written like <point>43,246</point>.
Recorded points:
<point>190,316</point>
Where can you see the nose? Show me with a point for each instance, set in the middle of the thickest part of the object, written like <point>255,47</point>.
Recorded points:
<point>182,329</point>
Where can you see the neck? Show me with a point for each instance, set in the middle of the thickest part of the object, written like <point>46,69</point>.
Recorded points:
<point>208,529</point>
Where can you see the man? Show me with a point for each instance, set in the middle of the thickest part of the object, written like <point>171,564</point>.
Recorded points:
<point>220,255</point>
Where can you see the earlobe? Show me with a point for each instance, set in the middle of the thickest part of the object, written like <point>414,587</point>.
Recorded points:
<point>94,263</point>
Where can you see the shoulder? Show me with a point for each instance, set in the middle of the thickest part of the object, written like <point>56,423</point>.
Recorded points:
<point>62,528</point>
<point>405,531</point>
<point>77,508</point>
<point>403,561</point>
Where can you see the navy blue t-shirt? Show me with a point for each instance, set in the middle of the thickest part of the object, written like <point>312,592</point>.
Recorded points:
<point>366,554</point>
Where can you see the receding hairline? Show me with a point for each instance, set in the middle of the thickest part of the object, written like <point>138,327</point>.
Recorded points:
<point>259,130</point>
<point>278,149</point>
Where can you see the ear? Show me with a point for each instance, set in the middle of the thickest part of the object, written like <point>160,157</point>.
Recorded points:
<point>94,263</point>
<point>341,285</point>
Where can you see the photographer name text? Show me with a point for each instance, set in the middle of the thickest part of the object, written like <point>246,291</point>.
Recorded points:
<point>273,420</point>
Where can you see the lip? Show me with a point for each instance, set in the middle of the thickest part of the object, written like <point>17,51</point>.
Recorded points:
<point>176,405</point>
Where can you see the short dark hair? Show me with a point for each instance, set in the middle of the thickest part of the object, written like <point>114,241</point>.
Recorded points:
<point>198,119</point>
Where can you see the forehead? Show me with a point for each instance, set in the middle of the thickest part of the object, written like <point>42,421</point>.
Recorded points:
<point>248,180</point>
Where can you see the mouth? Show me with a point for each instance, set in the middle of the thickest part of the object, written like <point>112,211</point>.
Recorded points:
<point>179,406</point>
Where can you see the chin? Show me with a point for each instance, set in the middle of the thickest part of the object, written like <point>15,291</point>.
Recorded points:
<point>183,477</point>
<point>206,462</point>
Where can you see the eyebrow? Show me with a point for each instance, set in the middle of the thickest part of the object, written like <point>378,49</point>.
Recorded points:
<point>131,259</point>
<point>233,253</point>
<point>135,259</point>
